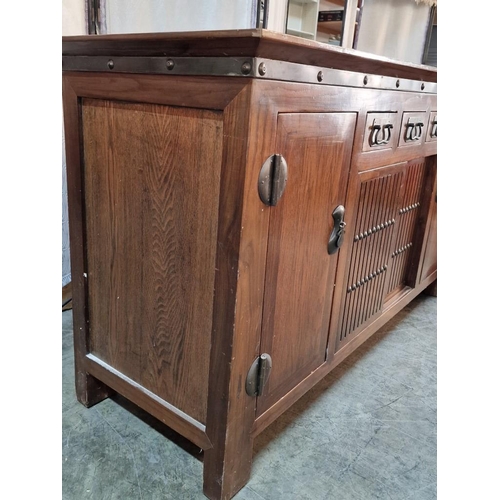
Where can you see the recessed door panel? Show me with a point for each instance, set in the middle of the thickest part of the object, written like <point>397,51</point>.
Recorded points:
<point>152,177</point>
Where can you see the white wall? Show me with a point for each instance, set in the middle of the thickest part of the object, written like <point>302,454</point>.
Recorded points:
<point>277,15</point>
<point>73,17</point>
<point>394,28</point>
<point>73,23</point>
<point>149,16</point>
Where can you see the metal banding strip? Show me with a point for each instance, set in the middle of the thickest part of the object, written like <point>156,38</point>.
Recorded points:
<point>264,69</point>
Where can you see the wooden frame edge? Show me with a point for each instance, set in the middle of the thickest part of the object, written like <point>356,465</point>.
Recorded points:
<point>170,415</point>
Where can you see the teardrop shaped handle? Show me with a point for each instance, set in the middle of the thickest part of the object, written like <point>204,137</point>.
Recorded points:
<point>337,236</point>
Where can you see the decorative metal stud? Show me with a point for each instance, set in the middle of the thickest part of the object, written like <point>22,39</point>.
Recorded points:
<point>170,64</point>
<point>365,80</point>
<point>111,64</point>
<point>246,67</point>
<point>262,69</point>
<point>320,76</point>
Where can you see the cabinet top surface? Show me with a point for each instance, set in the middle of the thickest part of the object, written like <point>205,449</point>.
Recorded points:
<point>243,43</point>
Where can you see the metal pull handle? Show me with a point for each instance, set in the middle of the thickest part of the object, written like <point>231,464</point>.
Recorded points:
<point>386,135</point>
<point>337,236</point>
<point>434,129</point>
<point>387,127</point>
<point>413,131</point>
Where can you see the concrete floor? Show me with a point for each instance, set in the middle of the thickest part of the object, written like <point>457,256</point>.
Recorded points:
<point>367,431</point>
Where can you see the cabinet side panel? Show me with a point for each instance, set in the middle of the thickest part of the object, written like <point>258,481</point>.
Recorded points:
<point>151,181</point>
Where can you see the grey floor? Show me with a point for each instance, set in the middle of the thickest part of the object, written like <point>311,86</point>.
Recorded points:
<point>367,431</point>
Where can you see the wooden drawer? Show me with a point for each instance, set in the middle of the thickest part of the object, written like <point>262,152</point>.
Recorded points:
<point>413,128</point>
<point>380,131</point>
<point>431,134</point>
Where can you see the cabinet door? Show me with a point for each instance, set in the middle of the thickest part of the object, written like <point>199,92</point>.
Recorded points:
<point>378,262</point>
<point>300,273</point>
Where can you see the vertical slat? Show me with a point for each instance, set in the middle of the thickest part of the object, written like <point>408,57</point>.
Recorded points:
<point>388,188</point>
<point>356,249</point>
<point>367,250</point>
<point>391,195</point>
<point>370,251</point>
<point>377,253</point>
<point>392,237</point>
<point>359,244</point>
<point>359,264</point>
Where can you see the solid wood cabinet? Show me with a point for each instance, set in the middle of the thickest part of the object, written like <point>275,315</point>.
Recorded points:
<point>238,222</point>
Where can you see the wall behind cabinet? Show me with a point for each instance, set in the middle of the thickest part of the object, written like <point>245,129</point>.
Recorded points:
<point>394,28</point>
<point>73,23</point>
<point>131,16</point>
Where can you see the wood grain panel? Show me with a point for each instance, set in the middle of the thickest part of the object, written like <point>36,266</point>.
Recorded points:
<point>300,272</point>
<point>152,176</point>
<point>186,91</point>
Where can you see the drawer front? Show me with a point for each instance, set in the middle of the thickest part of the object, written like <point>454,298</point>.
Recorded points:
<point>413,128</point>
<point>432,127</point>
<point>380,131</point>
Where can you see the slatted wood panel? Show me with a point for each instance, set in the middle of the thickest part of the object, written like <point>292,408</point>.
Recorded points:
<point>375,220</point>
<point>407,216</point>
<point>384,244</point>
<point>151,180</point>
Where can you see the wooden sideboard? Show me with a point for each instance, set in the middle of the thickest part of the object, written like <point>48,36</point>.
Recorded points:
<point>246,208</point>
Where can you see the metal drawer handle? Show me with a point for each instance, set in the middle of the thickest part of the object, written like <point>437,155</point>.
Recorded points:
<point>434,129</point>
<point>386,135</point>
<point>337,236</point>
<point>413,131</point>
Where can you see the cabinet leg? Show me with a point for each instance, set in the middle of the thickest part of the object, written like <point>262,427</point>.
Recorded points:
<point>226,469</point>
<point>432,289</point>
<point>89,390</point>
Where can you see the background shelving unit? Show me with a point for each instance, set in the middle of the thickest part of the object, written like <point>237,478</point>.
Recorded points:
<point>302,20</point>
<point>326,30</point>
